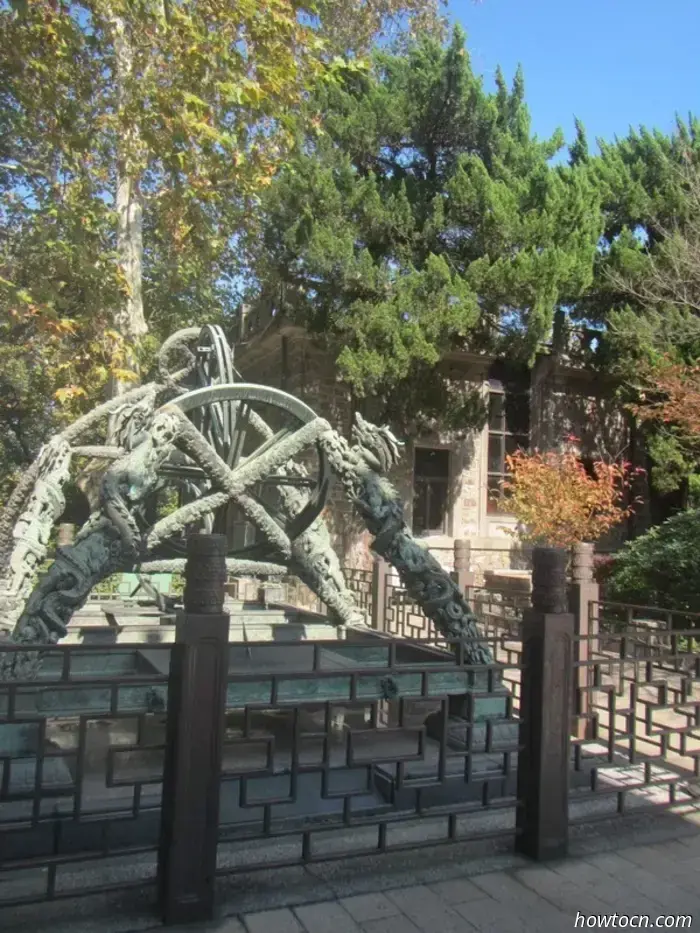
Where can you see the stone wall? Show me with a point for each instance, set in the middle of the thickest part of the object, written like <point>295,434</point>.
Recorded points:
<point>563,402</point>
<point>567,401</point>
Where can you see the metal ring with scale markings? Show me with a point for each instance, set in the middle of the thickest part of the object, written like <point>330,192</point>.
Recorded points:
<point>302,414</point>
<point>223,412</point>
<point>216,421</point>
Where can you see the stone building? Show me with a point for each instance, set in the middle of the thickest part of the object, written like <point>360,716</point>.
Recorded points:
<point>450,483</point>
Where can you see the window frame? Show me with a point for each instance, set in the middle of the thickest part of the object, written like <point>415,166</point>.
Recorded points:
<point>429,482</point>
<point>494,506</point>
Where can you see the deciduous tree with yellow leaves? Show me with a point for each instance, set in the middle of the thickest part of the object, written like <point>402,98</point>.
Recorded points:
<point>133,138</point>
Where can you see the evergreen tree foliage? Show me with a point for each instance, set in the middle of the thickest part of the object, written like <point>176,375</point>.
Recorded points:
<point>660,568</point>
<point>643,185</point>
<point>423,216</point>
<point>646,290</point>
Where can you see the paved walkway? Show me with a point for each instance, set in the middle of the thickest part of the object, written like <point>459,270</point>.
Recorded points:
<point>658,881</point>
<point>647,865</point>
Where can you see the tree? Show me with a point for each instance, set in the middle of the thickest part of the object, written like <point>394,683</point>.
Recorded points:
<point>645,182</point>
<point>646,292</point>
<point>667,404</point>
<point>660,568</point>
<point>559,503</point>
<point>423,216</point>
<point>649,264</point>
<point>670,395</point>
<point>671,275</point>
<point>133,139</point>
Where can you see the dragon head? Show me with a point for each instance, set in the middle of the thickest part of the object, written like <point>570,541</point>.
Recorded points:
<point>376,445</point>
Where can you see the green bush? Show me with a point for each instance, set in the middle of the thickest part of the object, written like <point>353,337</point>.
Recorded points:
<point>662,567</point>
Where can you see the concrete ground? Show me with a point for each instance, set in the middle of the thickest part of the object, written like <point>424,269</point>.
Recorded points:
<point>656,881</point>
<point>628,883</point>
<point>646,865</point>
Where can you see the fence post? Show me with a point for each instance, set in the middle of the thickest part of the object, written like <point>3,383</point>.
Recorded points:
<point>584,594</point>
<point>465,578</point>
<point>380,571</point>
<point>543,763</point>
<point>195,729</point>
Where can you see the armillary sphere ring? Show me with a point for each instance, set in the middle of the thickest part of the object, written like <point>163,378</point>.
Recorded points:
<point>209,407</point>
<point>217,421</point>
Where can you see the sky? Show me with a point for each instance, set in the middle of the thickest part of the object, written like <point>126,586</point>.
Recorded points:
<point>611,63</point>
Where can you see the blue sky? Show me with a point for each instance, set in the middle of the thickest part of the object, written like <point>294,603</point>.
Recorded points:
<point>612,63</point>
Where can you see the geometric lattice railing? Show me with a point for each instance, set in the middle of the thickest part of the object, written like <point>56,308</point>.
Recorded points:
<point>639,725</point>
<point>81,763</point>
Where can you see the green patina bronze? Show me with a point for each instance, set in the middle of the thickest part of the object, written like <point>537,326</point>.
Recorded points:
<point>220,442</point>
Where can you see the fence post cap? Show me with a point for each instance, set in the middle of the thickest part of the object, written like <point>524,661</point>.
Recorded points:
<point>582,562</point>
<point>549,579</point>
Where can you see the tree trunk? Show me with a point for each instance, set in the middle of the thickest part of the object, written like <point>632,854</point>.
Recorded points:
<point>641,518</point>
<point>129,321</point>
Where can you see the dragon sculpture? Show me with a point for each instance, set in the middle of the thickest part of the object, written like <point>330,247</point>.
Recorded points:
<point>361,468</point>
<point>214,439</point>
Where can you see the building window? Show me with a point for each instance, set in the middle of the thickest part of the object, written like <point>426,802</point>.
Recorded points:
<point>431,477</point>
<point>509,429</point>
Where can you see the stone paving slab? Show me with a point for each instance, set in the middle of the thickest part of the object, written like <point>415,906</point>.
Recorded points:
<point>657,879</point>
<point>328,917</point>
<point>366,907</point>
<point>274,921</point>
<point>428,911</point>
<point>536,899</point>
<point>457,891</point>
<point>642,868</point>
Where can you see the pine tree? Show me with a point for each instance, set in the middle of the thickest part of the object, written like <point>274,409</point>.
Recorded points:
<point>646,290</point>
<point>424,216</point>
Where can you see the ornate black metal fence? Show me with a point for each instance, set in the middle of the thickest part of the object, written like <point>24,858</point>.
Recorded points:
<point>400,616</point>
<point>380,595</point>
<point>499,613</point>
<point>331,749</point>
<point>123,765</point>
<point>348,748</point>
<point>620,617</point>
<point>393,612</point>
<point>360,583</point>
<point>81,758</point>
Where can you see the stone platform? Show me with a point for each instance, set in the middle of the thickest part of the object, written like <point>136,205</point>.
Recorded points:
<point>118,621</point>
